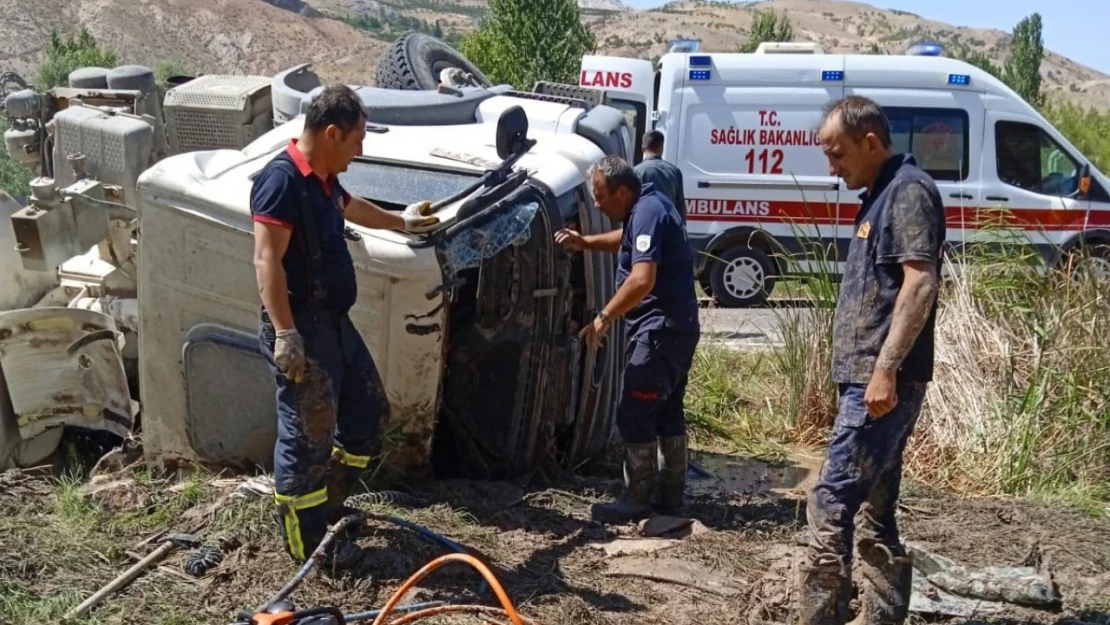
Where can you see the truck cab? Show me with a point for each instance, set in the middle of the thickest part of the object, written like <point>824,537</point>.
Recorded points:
<point>139,248</point>
<point>761,203</point>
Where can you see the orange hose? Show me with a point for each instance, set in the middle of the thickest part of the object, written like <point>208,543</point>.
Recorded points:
<point>412,617</point>
<point>440,561</point>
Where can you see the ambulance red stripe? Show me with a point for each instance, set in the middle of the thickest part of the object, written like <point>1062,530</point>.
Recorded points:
<point>819,213</point>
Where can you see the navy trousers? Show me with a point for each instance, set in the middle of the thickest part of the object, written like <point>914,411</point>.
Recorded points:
<point>332,415</point>
<point>655,378</point>
<point>862,472</point>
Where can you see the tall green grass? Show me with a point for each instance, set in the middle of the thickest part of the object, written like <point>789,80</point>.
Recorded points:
<point>1020,402</point>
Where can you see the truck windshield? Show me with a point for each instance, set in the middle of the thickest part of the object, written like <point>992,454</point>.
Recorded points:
<point>401,185</point>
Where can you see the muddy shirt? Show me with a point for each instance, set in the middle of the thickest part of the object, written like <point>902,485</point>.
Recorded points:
<point>275,200</point>
<point>901,219</point>
<point>654,231</point>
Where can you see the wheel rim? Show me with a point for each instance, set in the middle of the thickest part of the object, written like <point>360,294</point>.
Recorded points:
<point>1096,267</point>
<point>743,277</point>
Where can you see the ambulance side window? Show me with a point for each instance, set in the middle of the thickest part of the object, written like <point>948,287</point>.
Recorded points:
<point>937,138</point>
<point>1029,159</point>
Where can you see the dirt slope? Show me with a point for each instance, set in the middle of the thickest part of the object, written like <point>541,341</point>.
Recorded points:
<point>257,36</point>
<point>208,36</point>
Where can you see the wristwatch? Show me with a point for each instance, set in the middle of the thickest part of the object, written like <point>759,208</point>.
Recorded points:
<point>604,317</point>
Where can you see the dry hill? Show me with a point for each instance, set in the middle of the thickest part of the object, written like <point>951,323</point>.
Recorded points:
<point>258,36</point>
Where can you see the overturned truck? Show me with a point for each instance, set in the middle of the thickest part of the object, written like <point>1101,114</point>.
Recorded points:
<point>128,301</point>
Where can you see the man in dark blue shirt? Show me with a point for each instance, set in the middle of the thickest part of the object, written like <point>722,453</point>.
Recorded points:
<point>330,398</point>
<point>664,176</point>
<point>882,362</point>
<point>655,294</point>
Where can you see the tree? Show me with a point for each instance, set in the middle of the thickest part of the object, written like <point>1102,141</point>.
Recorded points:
<point>14,178</point>
<point>64,56</point>
<point>524,41</point>
<point>1022,71</point>
<point>766,26</point>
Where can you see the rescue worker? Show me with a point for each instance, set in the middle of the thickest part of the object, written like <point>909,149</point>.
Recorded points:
<point>655,295</point>
<point>883,332</point>
<point>666,177</point>
<point>330,398</point>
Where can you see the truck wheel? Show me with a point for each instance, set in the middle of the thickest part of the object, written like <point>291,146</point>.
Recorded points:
<point>414,61</point>
<point>741,277</point>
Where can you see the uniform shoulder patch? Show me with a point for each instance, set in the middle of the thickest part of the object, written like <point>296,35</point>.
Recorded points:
<point>643,242</point>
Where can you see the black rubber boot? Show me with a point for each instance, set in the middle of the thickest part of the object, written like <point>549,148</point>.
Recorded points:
<point>671,485</point>
<point>824,587</point>
<point>639,477</point>
<point>886,583</point>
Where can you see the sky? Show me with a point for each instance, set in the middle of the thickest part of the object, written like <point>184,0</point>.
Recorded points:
<point>1073,28</point>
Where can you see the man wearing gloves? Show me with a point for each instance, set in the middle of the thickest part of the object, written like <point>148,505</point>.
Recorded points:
<point>330,398</point>
<point>655,295</point>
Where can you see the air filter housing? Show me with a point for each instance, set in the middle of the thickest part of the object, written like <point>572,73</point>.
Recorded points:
<point>217,112</point>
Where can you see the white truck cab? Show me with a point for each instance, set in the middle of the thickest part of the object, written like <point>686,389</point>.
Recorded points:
<point>129,302</point>
<point>761,203</point>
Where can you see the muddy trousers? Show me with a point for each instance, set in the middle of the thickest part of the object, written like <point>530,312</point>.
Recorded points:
<point>655,379</point>
<point>327,424</point>
<point>862,473</point>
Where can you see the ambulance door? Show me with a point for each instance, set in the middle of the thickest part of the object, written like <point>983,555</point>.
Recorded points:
<point>943,130</point>
<point>630,84</point>
<point>760,201</point>
<point>1031,188</point>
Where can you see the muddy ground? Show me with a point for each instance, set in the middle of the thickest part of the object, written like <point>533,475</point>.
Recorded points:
<point>61,542</point>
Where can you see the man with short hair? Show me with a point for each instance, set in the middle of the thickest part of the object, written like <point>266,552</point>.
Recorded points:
<point>330,398</point>
<point>882,361</point>
<point>664,176</point>
<point>655,295</point>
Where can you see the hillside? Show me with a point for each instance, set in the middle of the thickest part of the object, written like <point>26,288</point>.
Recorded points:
<point>258,36</point>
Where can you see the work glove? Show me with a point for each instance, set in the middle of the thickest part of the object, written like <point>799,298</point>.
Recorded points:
<point>418,217</point>
<point>289,354</point>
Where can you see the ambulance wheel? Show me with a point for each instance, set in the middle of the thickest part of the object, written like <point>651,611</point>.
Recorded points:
<point>415,60</point>
<point>741,276</point>
<point>1092,261</point>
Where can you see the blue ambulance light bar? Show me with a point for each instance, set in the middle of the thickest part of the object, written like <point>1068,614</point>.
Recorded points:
<point>832,75</point>
<point>959,79</point>
<point>926,49</point>
<point>699,74</point>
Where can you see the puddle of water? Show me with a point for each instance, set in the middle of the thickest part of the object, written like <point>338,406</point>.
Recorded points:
<point>747,476</point>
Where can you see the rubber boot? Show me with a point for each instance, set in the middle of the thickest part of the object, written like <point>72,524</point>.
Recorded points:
<point>886,583</point>
<point>824,587</point>
<point>671,485</point>
<point>343,479</point>
<point>639,477</point>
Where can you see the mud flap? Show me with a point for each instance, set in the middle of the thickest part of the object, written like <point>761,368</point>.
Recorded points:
<point>63,366</point>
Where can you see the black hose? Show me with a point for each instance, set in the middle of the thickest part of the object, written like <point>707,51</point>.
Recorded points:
<point>302,574</point>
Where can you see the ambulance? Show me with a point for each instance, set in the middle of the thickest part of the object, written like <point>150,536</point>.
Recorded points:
<point>761,203</point>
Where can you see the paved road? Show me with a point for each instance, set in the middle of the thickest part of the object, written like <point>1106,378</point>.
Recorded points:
<point>746,328</point>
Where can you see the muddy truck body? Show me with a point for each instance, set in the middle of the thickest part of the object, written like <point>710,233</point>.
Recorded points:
<point>128,300</point>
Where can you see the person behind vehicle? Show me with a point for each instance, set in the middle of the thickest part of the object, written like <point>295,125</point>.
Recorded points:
<point>655,295</point>
<point>883,331</point>
<point>330,398</point>
<point>666,177</point>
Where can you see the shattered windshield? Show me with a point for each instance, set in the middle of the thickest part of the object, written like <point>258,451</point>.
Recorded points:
<point>397,184</point>
<point>470,247</point>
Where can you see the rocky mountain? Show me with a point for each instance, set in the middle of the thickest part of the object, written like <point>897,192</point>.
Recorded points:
<point>345,42</point>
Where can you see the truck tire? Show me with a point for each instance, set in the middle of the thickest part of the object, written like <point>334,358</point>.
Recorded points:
<point>415,60</point>
<point>741,277</point>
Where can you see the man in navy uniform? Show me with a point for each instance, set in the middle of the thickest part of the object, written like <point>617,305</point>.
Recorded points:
<point>330,398</point>
<point>882,362</point>
<point>655,295</point>
<point>665,177</point>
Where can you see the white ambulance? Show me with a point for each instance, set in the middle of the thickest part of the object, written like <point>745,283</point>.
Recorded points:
<point>761,204</point>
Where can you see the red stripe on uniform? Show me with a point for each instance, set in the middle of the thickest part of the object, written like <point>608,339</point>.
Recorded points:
<point>817,213</point>
<point>273,221</point>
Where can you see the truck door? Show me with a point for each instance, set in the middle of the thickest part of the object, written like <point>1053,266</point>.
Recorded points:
<point>1034,179</point>
<point>630,84</point>
<point>943,130</point>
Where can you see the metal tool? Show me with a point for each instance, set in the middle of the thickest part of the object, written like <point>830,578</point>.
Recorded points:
<point>169,542</point>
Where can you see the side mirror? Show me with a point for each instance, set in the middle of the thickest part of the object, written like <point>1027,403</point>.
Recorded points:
<point>1084,186</point>
<point>512,132</point>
